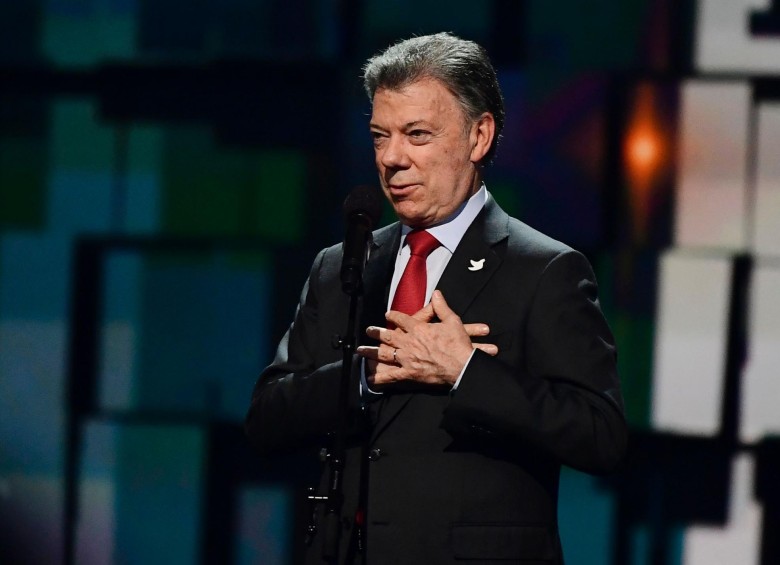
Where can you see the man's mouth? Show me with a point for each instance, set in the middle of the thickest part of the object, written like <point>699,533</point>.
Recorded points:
<point>401,189</point>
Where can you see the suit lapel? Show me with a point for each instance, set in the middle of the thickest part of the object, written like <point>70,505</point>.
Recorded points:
<point>376,289</point>
<point>376,278</point>
<point>458,284</point>
<point>475,260</point>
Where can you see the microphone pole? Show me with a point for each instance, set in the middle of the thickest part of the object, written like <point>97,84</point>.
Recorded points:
<point>361,210</point>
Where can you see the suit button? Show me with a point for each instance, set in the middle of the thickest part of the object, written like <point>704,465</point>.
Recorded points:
<point>375,454</point>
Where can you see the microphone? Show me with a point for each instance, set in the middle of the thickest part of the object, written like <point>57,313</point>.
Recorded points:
<point>362,209</point>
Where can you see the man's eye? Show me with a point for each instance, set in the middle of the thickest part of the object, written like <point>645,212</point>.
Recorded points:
<point>419,134</point>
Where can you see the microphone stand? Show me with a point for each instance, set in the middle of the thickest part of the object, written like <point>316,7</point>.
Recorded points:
<point>336,459</point>
<point>362,209</point>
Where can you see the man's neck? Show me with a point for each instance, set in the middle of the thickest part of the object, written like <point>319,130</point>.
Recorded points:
<point>450,231</point>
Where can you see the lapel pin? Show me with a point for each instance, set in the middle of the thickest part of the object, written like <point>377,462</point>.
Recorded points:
<point>476,265</point>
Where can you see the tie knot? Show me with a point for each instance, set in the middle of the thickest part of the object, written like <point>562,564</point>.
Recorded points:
<point>421,242</point>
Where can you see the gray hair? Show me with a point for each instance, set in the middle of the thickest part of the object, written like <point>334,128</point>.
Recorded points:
<point>461,65</point>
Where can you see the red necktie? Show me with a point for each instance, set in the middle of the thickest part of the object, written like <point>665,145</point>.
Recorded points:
<point>410,293</point>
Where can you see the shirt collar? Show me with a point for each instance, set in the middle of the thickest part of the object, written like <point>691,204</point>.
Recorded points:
<point>450,231</point>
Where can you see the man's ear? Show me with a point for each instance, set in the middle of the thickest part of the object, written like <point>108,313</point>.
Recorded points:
<point>482,133</point>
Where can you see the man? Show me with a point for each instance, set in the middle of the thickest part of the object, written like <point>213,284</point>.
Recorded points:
<point>477,398</point>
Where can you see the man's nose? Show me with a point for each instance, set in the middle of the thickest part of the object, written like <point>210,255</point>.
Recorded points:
<point>394,155</point>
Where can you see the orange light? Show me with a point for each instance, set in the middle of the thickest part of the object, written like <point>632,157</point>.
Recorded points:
<point>644,155</point>
<point>643,151</point>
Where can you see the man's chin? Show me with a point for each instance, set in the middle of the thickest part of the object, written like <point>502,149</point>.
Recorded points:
<point>411,217</point>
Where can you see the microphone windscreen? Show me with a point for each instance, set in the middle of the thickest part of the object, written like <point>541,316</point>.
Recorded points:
<point>365,200</point>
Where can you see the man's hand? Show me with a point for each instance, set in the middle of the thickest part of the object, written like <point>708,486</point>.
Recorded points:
<point>419,349</point>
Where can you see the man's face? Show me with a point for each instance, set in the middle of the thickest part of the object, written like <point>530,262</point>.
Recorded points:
<point>426,152</point>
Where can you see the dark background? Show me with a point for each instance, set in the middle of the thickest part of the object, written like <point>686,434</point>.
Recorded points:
<point>169,168</point>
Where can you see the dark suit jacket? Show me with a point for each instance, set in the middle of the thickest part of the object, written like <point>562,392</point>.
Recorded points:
<point>471,474</point>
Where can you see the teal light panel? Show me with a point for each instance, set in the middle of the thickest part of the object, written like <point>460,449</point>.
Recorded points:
<point>159,482</point>
<point>81,34</point>
<point>183,332</point>
<point>586,519</point>
<point>265,525</point>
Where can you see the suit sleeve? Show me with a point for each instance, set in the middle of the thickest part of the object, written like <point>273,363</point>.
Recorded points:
<point>295,399</point>
<point>565,400</point>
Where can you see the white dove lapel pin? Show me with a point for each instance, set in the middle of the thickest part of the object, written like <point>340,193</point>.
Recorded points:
<point>476,265</point>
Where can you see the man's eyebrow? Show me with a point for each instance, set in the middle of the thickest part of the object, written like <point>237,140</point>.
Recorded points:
<point>407,125</point>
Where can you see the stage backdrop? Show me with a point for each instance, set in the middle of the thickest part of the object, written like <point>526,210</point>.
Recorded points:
<point>169,168</point>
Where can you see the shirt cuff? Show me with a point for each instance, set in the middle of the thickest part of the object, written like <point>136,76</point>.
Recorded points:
<point>462,371</point>
<point>366,393</point>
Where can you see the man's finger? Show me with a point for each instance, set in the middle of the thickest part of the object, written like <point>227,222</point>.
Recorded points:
<point>476,329</point>
<point>440,306</point>
<point>401,320</point>
<point>383,353</point>
<point>369,352</point>
<point>424,314</point>
<point>380,334</point>
<point>390,376</point>
<point>488,348</point>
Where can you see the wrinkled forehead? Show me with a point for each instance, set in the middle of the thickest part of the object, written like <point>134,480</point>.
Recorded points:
<point>423,99</point>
